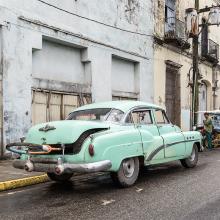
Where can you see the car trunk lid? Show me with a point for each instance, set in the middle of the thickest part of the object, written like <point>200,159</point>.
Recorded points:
<point>58,132</point>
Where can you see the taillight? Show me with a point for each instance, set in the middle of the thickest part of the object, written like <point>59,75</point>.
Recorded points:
<point>91,150</point>
<point>57,170</point>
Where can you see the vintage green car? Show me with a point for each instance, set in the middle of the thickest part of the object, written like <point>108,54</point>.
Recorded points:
<point>118,137</point>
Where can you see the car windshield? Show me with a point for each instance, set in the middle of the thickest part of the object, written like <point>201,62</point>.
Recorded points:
<point>98,114</point>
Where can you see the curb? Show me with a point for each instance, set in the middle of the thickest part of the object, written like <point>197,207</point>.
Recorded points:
<point>13,184</point>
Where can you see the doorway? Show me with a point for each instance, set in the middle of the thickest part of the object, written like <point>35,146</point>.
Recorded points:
<point>172,94</point>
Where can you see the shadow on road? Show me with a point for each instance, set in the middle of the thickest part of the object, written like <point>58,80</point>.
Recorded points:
<point>101,182</point>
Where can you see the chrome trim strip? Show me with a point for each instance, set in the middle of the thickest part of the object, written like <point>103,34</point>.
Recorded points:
<point>63,167</point>
<point>157,150</point>
<point>85,168</point>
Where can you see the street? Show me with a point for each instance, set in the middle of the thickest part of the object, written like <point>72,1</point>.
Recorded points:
<point>88,87</point>
<point>163,192</point>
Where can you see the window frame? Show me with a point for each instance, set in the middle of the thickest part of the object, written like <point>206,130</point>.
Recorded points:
<point>166,119</point>
<point>105,118</point>
<point>167,9</point>
<point>141,110</point>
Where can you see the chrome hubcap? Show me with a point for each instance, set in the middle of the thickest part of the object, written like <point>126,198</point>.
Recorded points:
<point>128,167</point>
<point>193,155</point>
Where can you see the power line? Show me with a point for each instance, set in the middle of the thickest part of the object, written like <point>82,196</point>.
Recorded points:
<point>72,34</point>
<point>89,19</point>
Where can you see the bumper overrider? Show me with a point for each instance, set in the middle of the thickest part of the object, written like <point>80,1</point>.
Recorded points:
<point>59,167</point>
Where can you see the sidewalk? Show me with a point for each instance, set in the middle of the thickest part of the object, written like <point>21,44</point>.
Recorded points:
<point>11,178</point>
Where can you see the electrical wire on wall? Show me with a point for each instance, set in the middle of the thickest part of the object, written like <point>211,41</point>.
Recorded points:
<point>98,22</point>
<point>96,43</point>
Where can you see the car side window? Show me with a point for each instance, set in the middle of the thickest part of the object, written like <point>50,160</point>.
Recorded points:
<point>161,117</point>
<point>140,117</point>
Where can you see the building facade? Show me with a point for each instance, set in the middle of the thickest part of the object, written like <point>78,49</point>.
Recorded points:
<point>56,55</point>
<point>173,61</point>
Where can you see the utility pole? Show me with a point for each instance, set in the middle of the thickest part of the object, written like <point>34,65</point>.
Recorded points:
<point>213,19</point>
<point>195,88</point>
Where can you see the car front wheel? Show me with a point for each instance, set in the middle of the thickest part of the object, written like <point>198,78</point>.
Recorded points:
<point>60,178</point>
<point>127,173</point>
<point>191,161</point>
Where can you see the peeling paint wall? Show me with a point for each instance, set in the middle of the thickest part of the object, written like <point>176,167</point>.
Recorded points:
<point>88,32</point>
<point>159,17</point>
<point>111,17</point>
<point>16,83</point>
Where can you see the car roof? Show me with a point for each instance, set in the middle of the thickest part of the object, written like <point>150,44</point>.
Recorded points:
<point>124,106</point>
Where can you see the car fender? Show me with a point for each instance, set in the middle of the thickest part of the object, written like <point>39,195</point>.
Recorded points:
<point>192,137</point>
<point>114,146</point>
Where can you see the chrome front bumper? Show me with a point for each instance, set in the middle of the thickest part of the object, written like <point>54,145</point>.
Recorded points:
<point>58,167</point>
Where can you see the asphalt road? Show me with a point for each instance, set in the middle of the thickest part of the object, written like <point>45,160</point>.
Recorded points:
<point>164,192</point>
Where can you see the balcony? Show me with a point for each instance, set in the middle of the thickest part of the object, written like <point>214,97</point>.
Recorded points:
<point>210,51</point>
<point>175,33</point>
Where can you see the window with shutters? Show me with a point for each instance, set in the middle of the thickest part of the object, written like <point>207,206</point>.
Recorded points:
<point>169,9</point>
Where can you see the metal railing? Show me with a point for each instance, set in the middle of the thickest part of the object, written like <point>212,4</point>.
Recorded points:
<point>174,28</point>
<point>213,49</point>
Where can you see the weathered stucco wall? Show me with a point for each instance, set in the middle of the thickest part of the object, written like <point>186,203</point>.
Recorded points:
<point>112,17</point>
<point>161,55</point>
<point>87,32</point>
<point>16,48</point>
<point>58,62</point>
<point>165,52</point>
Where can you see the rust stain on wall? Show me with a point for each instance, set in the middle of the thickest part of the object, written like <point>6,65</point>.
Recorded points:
<point>128,10</point>
<point>159,16</point>
<point>131,11</point>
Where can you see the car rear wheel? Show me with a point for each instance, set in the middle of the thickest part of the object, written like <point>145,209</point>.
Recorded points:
<point>60,178</point>
<point>191,161</point>
<point>127,173</point>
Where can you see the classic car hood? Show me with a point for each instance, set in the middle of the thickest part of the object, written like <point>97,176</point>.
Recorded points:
<point>67,131</point>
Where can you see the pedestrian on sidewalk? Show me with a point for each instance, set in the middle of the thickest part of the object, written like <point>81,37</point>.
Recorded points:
<point>208,129</point>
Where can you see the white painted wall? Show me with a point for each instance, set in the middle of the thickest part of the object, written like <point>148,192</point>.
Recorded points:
<point>58,62</point>
<point>115,14</point>
<point>123,75</point>
<point>87,35</point>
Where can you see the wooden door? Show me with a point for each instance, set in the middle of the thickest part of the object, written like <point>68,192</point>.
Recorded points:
<point>172,95</point>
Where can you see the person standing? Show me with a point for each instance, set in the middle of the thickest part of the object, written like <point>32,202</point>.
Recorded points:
<point>208,129</point>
